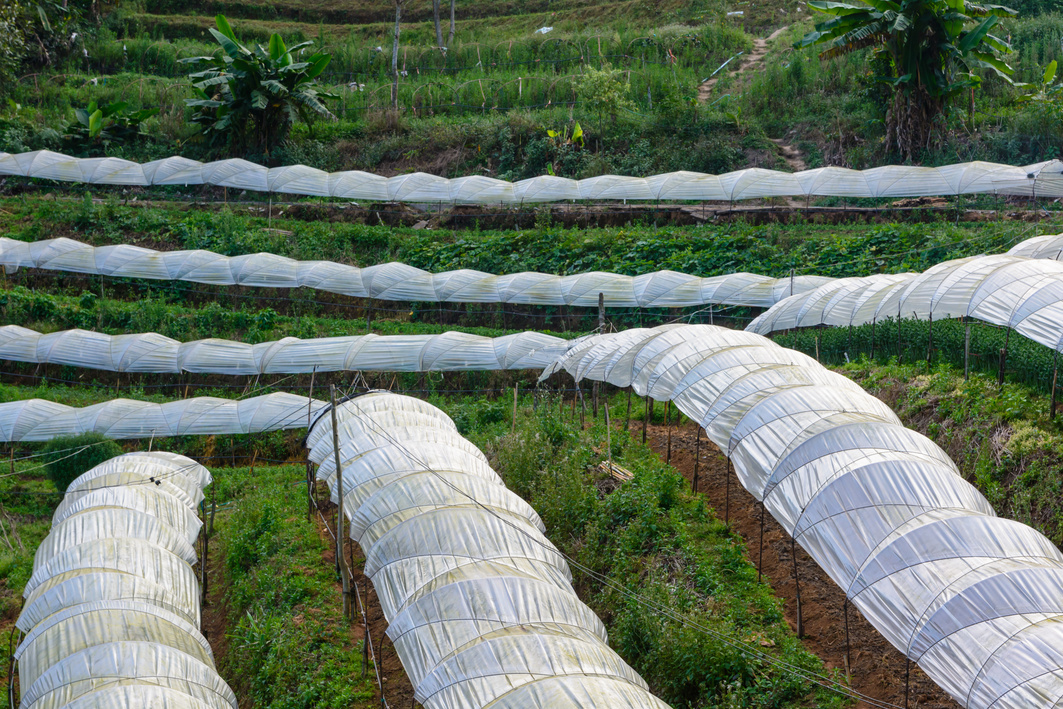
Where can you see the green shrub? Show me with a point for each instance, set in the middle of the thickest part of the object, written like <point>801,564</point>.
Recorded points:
<point>67,457</point>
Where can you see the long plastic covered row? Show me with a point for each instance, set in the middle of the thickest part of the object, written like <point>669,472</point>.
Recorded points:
<point>1025,294</point>
<point>41,420</point>
<point>481,609</point>
<point>975,600</point>
<point>399,282</point>
<point>111,612</point>
<point>151,352</point>
<point>1039,179</point>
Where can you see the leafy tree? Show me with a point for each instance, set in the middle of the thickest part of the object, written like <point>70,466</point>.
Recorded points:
<point>603,93</point>
<point>12,43</point>
<point>98,127</point>
<point>67,457</point>
<point>250,98</point>
<point>934,48</point>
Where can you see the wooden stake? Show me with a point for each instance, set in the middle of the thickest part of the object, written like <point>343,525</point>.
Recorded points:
<point>848,663</point>
<point>646,419</point>
<point>341,565</point>
<point>515,388</point>
<point>1003,357</point>
<point>760,560</point>
<point>1051,406</point>
<point>668,426</point>
<point>817,346</point>
<point>967,352</point>
<point>697,457</point>
<point>608,437</point>
<point>930,342</point>
<point>727,495</point>
<point>797,584</point>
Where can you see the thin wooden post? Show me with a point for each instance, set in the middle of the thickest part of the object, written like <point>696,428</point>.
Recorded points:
<point>817,346</point>
<point>760,557</point>
<point>727,495</point>
<point>898,331</point>
<point>1003,357</point>
<point>646,419</point>
<point>668,426</point>
<point>848,663</point>
<point>1051,406</point>
<point>697,457</point>
<point>967,352</point>
<point>515,388</point>
<point>608,437</point>
<point>365,633</point>
<point>930,342</point>
<point>341,564</point>
<point>907,679</point>
<point>797,584</point>
<point>582,408</point>
<point>594,400</point>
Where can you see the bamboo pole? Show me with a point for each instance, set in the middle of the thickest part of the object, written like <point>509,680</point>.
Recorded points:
<point>697,457</point>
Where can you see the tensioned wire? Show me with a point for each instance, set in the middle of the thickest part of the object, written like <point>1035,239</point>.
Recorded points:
<point>808,675</point>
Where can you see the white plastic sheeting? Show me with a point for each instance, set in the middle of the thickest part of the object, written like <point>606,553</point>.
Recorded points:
<point>975,600</point>
<point>1039,179</point>
<point>480,605</point>
<point>399,282</point>
<point>1046,246</point>
<point>155,353</point>
<point>40,420</point>
<point>1025,294</point>
<point>112,608</point>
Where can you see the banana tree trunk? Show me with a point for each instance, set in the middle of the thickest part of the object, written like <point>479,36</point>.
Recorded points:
<point>450,38</point>
<point>435,19</point>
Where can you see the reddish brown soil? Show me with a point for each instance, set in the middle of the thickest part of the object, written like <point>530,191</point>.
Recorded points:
<point>877,669</point>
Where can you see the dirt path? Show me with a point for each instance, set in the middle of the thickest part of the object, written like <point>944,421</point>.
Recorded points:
<point>877,670</point>
<point>751,62</point>
<point>397,687</point>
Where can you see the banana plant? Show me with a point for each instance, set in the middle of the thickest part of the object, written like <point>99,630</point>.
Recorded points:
<point>248,98</point>
<point>98,127</point>
<point>937,51</point>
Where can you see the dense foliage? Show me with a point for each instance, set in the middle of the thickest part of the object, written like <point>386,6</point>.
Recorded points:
<point>65,458</point>
<point>931,52</point>
<point>249,99</point>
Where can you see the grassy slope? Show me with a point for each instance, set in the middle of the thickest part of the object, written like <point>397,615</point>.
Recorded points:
<point>1000,437</point>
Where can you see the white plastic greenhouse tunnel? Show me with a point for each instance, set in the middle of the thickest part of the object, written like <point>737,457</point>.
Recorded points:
<point>112,610</point>
<point>1039,179</point>
<point>975,600</point>
<point>41,420</point>
<point>1015,292</point>
<point>479,602</point>
<point>153,353</point>
<point>399,282</point>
